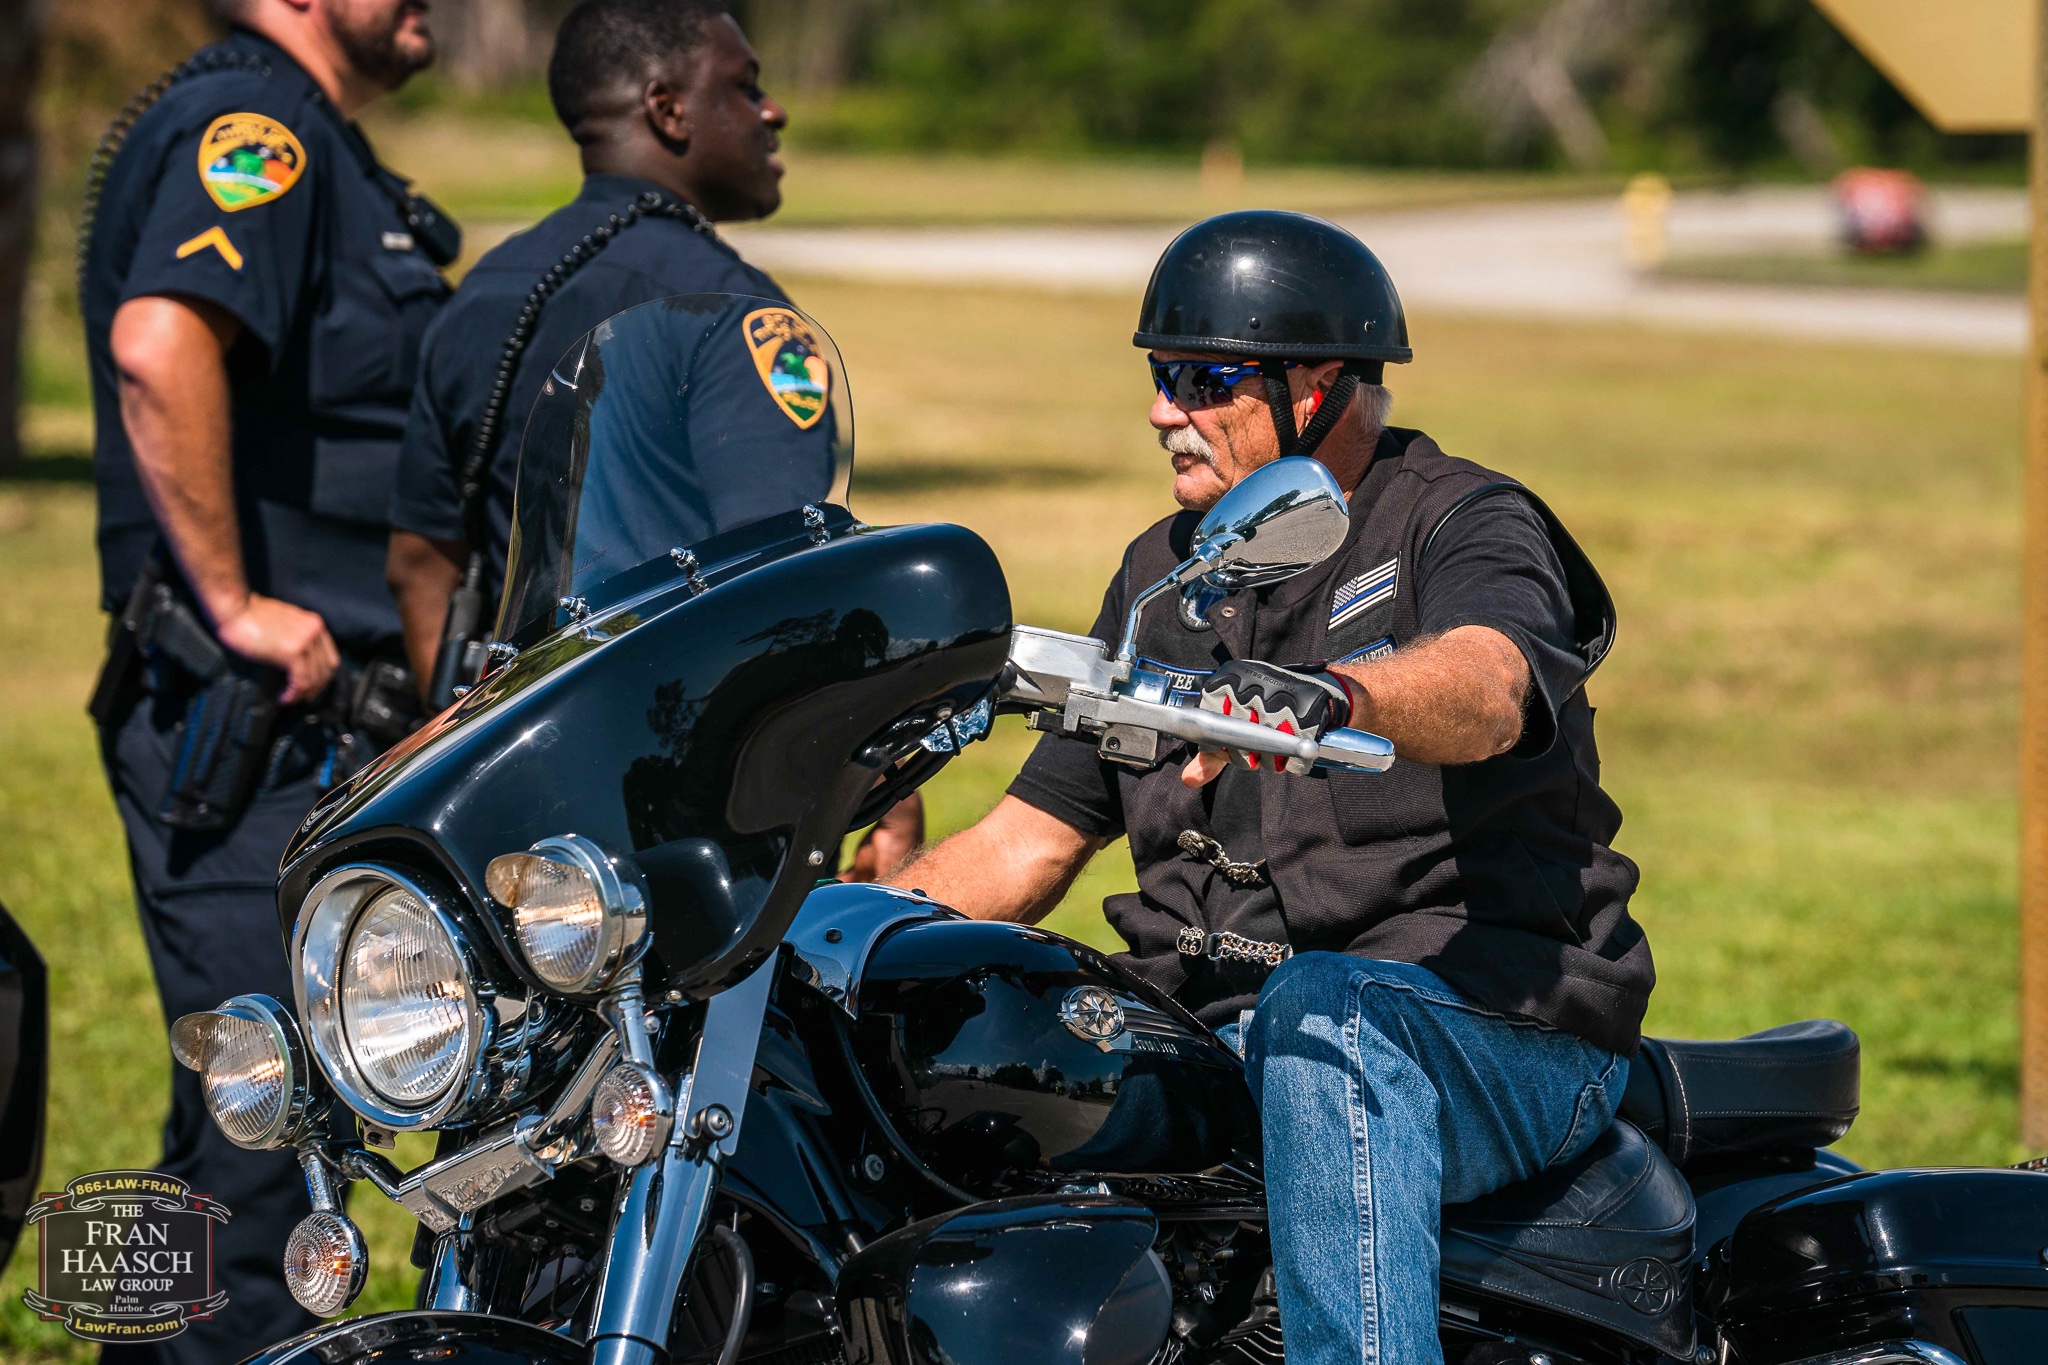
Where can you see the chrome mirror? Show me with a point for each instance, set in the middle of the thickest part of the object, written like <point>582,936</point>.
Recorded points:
<point>1279,520</point>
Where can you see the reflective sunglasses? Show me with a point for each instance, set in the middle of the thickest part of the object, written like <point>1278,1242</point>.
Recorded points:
<point>1192,384</point>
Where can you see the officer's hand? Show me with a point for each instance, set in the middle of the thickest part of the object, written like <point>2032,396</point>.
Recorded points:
<point>287,637</point>
<point>1293,701</point>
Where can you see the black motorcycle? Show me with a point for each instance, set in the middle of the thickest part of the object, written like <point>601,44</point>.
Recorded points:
<point>696,1104</point>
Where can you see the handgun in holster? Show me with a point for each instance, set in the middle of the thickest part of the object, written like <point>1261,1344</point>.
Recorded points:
<point>370,706</point>
<point>460,661</point>
<point>223,740</point>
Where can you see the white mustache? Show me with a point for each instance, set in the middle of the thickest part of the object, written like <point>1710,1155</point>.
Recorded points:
<point>1187,441</point>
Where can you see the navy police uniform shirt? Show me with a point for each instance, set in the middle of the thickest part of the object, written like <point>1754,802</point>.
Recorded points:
<point>244,186</point>
<point>654,258</point>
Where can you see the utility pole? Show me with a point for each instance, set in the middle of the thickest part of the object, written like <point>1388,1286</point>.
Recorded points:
<point>1978,66</point>
<point>2034,650</point>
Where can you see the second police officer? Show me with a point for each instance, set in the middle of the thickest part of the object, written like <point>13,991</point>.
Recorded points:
<point>255,287</point>
<point>664,101</point>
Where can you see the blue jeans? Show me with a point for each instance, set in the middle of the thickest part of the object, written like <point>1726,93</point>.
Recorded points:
<point>1384,1095</point>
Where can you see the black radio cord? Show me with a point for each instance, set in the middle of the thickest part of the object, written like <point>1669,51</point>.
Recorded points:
<point>455,663</point>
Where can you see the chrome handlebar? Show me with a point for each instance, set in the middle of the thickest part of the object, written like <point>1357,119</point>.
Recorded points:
<point>1072,684</point>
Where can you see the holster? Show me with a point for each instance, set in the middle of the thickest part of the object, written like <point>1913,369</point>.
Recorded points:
<point>223,747</point>
<point>460,661</point>
<point>222,742</point>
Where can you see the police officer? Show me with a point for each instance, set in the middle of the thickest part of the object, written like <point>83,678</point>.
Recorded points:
<point>254,286</point>
<point>664,99</point>
<point>1446,978</point>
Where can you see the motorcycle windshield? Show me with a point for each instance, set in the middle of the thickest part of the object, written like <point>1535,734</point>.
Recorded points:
<point>662,427</point>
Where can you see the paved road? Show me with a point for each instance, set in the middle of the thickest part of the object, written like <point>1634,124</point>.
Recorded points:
<point>1553,259</point>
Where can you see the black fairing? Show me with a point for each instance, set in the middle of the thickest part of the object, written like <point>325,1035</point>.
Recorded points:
<point>458,1338</point>
<point>1063,1280</point>
<point>959,1036</point>
<point>24,1061</point>
<point>1605,1238</point>
<point>723,738</point>
<point>1883,1256</point>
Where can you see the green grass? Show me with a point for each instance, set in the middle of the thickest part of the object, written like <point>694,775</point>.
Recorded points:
<point>1809,718</point>
<point>513,171</point>
<point>1978,267</point>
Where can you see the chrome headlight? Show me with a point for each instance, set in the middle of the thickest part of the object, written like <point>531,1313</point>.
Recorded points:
<point>389,995</point>
<point>577,917</point>
<point>252,1069</point>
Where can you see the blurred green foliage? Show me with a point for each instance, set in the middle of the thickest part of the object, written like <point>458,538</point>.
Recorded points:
<point>1689,87</point>
<point>1685,86</point>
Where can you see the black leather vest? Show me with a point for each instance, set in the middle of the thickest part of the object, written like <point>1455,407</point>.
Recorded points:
<point>1495,875</point>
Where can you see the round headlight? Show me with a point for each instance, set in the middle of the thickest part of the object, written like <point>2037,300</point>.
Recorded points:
<point>252,1069</point>
<point>578,919</point>
<point>389,997</point>
<point>404,992</point>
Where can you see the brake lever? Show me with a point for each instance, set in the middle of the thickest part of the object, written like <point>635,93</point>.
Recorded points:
<point>1346,750</point>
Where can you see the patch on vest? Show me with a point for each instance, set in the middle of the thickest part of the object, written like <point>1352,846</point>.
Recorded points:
<point>1195,600</point>
<point>1357,596</point>
<point>1378,649</point>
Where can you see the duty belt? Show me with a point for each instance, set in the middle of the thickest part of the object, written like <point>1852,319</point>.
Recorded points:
<point>1228,947</point>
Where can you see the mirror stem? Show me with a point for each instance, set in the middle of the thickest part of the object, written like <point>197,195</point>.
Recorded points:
<point>1188,571</point>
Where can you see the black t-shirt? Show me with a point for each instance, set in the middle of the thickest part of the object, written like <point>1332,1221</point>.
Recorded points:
<point>1492,564</point>
<point>245,187</point>
<point>654,258</point>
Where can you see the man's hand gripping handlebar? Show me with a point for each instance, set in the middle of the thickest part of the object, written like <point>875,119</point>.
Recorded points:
<point>1071,684</point>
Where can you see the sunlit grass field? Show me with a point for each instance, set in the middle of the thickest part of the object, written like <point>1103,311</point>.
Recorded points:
<point>514,170</point>
<point>1808,719</point>
<point>1972,267</point>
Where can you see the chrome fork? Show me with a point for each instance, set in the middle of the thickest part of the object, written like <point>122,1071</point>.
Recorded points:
<point>667,1206</point>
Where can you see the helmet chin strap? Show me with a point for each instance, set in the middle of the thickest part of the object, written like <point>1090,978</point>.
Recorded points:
<point>1281,401</point>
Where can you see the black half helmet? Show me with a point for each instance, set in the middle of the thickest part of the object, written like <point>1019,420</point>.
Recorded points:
<point>1265,284</point>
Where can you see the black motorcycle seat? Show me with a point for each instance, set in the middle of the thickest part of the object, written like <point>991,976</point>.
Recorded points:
<point>1788,1088</point>
<point>1605,1238</point>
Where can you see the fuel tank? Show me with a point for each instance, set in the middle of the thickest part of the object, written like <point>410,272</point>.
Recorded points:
<point>1010,1060</point>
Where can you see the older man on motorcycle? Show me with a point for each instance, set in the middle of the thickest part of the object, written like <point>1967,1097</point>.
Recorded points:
<point>1432,972</point>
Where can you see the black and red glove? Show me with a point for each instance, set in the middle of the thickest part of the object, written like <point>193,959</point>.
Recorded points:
<point>1309,701</point>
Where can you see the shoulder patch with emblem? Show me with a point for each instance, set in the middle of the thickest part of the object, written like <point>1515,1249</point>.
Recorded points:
<point>248,159</point>
<point>786,355</point>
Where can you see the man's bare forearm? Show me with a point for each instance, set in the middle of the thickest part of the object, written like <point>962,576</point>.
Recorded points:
<point>421,571</point>
<point>1015,864</point>
<point>171,356</point>
<point>1453,698</point>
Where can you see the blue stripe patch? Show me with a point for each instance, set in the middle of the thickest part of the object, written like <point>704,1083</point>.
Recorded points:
<point>1364,592</point>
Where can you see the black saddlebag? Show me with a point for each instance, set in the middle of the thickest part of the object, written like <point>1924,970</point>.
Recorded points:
<point>1604,1239</point>
<point>1053,1279</point>
<point>1948,1258</point>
